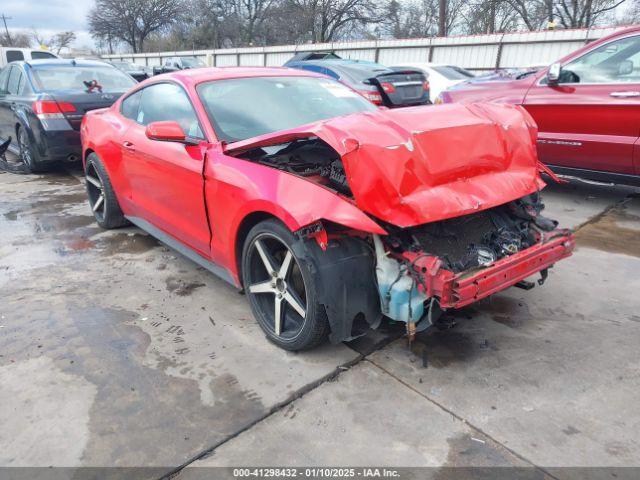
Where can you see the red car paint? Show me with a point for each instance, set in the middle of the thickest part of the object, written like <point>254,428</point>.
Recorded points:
<point>462,289</point>
<point>581,126</point>
<point>408,168</point>
<point>405,167</point>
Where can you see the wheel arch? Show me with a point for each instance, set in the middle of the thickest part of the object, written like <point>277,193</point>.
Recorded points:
<point>245,226</point>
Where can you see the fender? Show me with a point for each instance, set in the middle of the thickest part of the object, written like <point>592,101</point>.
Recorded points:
<point>256,188</point>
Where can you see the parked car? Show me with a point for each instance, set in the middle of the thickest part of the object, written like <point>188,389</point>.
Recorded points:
<point>173,64</point>
<point>327,210</point>
<point>586,106</point>
<point>138,72</point>
<point>42,103</point>
<point>375,82</point>
<point>15,54</point>
<point>440,76</point>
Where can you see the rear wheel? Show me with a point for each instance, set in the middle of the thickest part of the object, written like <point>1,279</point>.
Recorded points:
<point>281,290</point>
<point>102,199</point>
<point>27,154</point>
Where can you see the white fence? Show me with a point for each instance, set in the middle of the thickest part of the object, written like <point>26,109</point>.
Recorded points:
<point>474,52</point>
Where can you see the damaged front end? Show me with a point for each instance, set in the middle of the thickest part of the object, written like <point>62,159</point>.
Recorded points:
<point>456,191</point>
<point>449,264</point>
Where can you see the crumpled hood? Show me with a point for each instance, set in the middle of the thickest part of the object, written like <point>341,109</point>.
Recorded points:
<point>417,165</point>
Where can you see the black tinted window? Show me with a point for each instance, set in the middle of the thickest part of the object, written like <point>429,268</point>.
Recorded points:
<point>14,81</point>
<point>37,55</point>
<point>129,107</point>
<point>168,102</point>
<point>14,55</point>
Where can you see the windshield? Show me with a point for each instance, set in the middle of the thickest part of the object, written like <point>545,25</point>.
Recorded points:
<point>70,77</point>
<point>242,108</point>
<point>192,62</point>
<point>453,73</point>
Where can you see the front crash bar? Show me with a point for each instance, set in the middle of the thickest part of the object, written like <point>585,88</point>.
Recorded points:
<point>469,287</point>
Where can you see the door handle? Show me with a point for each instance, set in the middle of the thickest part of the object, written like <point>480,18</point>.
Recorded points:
<point>625,94</point>
<point>129,146</point>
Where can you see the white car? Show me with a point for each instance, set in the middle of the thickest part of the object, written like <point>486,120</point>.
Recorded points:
<point>15,54</point>
<point>440,76</point>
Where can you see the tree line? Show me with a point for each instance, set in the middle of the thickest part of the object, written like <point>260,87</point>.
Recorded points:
<point>153,25</point>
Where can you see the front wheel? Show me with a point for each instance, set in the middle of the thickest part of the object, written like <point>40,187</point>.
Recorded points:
<point>102,199</point>
<point>281,290</point>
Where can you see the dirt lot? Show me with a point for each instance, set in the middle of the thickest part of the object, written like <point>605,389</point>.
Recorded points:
<point>116,351</point>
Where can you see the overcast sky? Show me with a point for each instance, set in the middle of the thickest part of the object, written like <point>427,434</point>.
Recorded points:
<point>49,16</point>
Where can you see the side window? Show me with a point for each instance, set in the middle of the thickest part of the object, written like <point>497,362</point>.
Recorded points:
<point>615,62</point>
<point>168,102</point>
<point>14,56</point>
<point>130,105</point>
<point>312,68</point>
<point>14,81</point>
<point>4,77</point>
<point>40,55</point>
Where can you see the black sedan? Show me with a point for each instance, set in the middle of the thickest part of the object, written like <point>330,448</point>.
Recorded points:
<point>139,72</point>
<point>375,82</point>
<point>42,103</point>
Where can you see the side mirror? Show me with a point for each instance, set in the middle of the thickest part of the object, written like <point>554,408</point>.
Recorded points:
<point>168,132</point>
<point>625,67</point>
<point>553,75</point>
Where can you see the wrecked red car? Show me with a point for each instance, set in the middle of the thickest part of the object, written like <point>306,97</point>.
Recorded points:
<point>329,212</point>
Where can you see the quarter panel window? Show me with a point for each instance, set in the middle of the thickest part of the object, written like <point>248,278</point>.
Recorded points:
<point>4,77</point>
<point>168,102</point>
<point>39,55</point>
<point>14,81</point>
<point>14,56</point>
<point>130,105</point>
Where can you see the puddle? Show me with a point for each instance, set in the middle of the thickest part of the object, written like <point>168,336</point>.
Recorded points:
<point>612,233</point>
<point>126,242</point>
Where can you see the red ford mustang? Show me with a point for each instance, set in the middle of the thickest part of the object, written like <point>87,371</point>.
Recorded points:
<point>586,106</point>
<point>330,212</point>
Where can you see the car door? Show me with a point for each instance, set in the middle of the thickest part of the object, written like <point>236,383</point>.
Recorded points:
<point>590,118</point>
<point>165,178</point>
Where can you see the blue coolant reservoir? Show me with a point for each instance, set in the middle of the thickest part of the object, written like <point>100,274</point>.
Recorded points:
<point>400,298</point>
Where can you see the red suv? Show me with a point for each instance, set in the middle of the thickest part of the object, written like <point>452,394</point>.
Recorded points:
<point>587,107</point>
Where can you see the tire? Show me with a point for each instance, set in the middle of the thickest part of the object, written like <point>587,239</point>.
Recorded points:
<point>287,286</point>
<point>27,154</point>
<point>102,199</point>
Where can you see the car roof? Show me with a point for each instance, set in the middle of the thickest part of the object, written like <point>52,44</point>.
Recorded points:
<point>71,62</point>
<point>195,76</point>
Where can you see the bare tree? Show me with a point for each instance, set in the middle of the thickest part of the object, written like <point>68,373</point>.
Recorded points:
<point>326,20</point>
<point>442,18</point>
<point>489,16</point>
<point>132,21</point>
<point>254,13</point>
<point>410,19</point>
<point>16,39</point>
<point>61,40</point>
<point>583,13</point>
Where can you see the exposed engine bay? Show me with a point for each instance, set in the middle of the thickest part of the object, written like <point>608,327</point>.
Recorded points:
<point>479,239</point>
<point>308,157</point>
<point>422,270</point>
